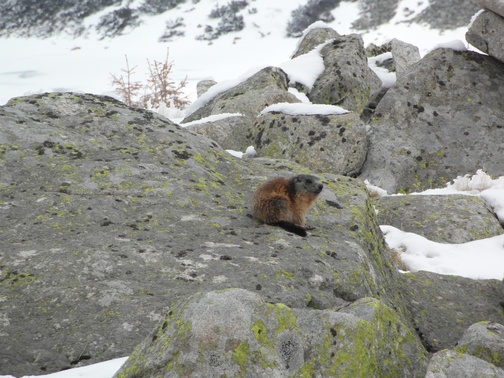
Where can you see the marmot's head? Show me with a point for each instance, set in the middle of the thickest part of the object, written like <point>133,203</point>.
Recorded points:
<point>307,183</point>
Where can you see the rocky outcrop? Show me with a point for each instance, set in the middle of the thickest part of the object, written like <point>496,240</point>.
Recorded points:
<point>111,215</point>
<point>236,333</point>
<point>439,218</point>
<point>347,80</point>
<point>441,308</point>
<point>486,30</point>
<point>402,54</point>
<point>334,143</point>
<point>266,87</point>
<point>445,119</point>
<point>484,340</point>
<point>448,363</point>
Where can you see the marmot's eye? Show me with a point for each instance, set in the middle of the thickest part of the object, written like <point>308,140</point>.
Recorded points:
<point>309,181</point>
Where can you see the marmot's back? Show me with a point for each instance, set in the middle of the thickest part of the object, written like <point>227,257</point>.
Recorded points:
<point>285,201</point>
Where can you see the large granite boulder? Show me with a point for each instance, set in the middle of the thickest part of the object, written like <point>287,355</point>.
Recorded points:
<point>313,38</point>
<point>445,219</point>
<point>452,364</point>
<point>110,215</point>
<point>487,30</point>
<point>334,143</point>
<point>484,340</point>
<point>347,80</point>
<point>444,306</point>
<point>442,119</point>
<point>235,333</point>
<point>249,97</point>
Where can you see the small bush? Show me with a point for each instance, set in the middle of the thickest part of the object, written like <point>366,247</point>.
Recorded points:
<point>159,90</point>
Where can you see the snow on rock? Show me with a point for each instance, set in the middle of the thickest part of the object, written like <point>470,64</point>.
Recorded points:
<point>304,109</point>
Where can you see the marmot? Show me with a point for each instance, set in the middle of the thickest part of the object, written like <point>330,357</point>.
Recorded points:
<point>284,201</point>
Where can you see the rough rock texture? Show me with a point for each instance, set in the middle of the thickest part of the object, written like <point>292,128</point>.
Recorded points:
<point>266,87</point>
<point>110,215</point>
<point>446,118</point>
<point>203,86</point>
<point>496,6</point>
<point>403,55</point>
<point>439,218</point>
<point>347,80</point>
<point>324,143</point>
<point>374,13</point>
<point>314,38</point>
<point>227,132</point>
<point>442,14</point>
<point>443,306</point>
<point>486,34</point>
<point>236,333</point>
<point>451,364</point>
<point>484,340</point>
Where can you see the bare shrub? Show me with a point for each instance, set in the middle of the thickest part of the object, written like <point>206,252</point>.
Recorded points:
<point>159,88</point>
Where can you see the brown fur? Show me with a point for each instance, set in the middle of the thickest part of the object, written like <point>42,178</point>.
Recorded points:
<point>285,201</point>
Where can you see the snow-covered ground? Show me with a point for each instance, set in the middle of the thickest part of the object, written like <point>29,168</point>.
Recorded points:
<point>84,65</point>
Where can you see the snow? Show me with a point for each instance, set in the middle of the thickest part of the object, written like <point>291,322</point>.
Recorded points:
<point>212,118</point>
<point>304,109</point>
<point>479,259</point>
<point>100,370</point>
<point>387,78</point>
<point>84,65</point>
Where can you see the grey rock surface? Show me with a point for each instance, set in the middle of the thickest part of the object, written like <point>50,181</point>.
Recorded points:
<point>228,132</point>
<point>445,219</point>
<point>444,306</point>
<point>484,340</point>
<point>486,33</point>
<point>236,333</point>
<point>111,214</point>
<point>450,364</point>
<point>323,143</point>
<point>496,6</point>
<point>314,38</point>
<point>266,87</point>
<point>445,115</point>
<point>403,55</point>
<point>347,80</point>
<point>204,85</point>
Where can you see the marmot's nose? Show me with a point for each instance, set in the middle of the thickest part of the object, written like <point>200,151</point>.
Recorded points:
<point>320,187</point>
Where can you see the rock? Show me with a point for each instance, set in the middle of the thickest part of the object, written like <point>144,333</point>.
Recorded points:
<point>314,38</point>
<point>496,6</point>
<point>347,80</point>
<point>484,340</point>
<point>403,55</point>
<point>266,87</point>
<point>335,143</point>
<point>444,219</point>
<point>486,33</point>
<point>446,121</point>
<point>227,131</point>
<point>111,214</point>
<point>373,14</point>
<point>443,306</point>
<point>203,85</point>
<point>450,364</point>
<point>236,333</point>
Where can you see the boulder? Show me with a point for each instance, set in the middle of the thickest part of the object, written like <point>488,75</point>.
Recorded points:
<point>444,219</point>
<point>228,131</point>
<point>314,38</point>
<point>111,214</point>
<point>236,333</point>
<point>496,6</point>
<point>334,143</point>
<point>486,33</point>
<point>442,119</point>
<point>444,306</point>
<point>451,364</point>
<point>347,80</point>
<point>403,55</point>
<point>266,87</point>
<point>203,86</point>
<point>484,340</point>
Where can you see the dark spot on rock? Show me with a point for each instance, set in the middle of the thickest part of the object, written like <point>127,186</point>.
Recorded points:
<point>106,223</point>
<point>225,258</point>
<point>333,204</point>
<point>435,114</point>
<point>419,158</point>
<point>310,133</point>
<point>333,332</point>
<point>285,128</point>
<point>354,227</point>
<point>184,155</point>
<point>334,255</point>
<point>258,287</point>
